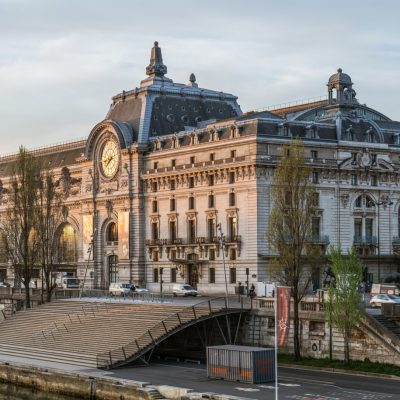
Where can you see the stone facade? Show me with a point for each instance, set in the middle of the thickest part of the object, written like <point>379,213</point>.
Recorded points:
<point>172,166</point>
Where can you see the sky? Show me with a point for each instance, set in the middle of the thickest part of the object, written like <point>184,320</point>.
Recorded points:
<point>61,61</point>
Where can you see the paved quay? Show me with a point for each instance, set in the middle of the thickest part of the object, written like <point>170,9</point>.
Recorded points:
<point>294,383</point>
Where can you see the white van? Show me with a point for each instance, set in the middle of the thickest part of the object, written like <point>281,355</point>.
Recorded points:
<point>183,289</point>
<point>119,289</point>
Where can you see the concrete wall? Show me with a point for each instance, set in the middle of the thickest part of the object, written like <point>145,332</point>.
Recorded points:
<point>73,384</point>
<point>367,341</point>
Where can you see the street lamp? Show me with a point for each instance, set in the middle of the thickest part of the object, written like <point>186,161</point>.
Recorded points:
<point>378,204</point>
<point>221,240</point>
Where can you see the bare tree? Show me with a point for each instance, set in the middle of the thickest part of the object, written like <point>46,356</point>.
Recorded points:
<point>48,217</point>
<point>290,228</point>
<point>19,237</point>
<point>343,305</point>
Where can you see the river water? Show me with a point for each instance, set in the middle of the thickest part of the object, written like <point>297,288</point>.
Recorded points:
<point>12,392</point>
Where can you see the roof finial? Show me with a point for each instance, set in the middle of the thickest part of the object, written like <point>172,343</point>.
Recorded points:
<point>156,66</point>
<point>192,80</point>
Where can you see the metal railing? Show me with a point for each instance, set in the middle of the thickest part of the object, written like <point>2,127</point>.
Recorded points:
<point>105,295</point>
<point>365,240</point>
<point>157,333</point>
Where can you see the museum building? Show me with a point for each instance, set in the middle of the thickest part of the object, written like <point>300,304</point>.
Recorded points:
<point>172,167</point>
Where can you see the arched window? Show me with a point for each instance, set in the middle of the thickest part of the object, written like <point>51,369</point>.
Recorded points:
<point>67,245</point>
<point>112,232</point>
<point>358,202</point>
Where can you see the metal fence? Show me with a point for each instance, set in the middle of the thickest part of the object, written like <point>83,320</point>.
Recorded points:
<point>157,333</point>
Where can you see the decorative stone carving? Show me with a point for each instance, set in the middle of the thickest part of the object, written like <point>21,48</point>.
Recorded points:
<point>364,159</point>
<point>69,186</point>
<point>345,198</point>
<point>109,208</point>
<point>109,187</point>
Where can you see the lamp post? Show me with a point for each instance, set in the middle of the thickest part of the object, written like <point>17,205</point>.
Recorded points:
<point>378,204</point>
<point>221,240</point>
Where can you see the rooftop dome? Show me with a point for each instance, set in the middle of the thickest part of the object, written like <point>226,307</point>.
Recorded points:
<point>340,78</point>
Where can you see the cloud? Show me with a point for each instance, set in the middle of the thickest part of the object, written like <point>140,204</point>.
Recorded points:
<point>61,61</point>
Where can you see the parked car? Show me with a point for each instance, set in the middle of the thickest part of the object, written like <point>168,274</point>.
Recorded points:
<point>184,290</point>
<point>138,289</point>
<point>377,300</point>
<point>119,289</point>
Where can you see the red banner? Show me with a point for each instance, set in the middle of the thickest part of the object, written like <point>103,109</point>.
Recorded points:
<point>283,314</point>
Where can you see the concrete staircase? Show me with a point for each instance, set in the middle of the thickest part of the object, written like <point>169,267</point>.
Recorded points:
<point>72,332</point>
<point>389,324</point>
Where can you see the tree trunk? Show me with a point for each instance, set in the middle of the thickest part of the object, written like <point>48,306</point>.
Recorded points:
<point>346,346</point>
<point>27,293</point>
<point>296,332</point>
<point>49,288</point>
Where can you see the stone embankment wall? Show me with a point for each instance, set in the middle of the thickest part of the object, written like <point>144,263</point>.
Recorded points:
<point>81,386</point>
<point>368,341</point>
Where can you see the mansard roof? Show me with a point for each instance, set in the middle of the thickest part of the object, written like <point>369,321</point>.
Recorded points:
<point>161,107</point>
<point>58,156</point>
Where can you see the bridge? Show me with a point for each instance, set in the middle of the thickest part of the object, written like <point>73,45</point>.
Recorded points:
<point>110,334</point>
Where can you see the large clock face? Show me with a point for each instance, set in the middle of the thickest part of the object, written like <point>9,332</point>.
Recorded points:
<point>110,159</point>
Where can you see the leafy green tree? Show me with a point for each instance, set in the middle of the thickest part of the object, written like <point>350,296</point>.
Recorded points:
<point>290,228</point>
<point>343,305</point>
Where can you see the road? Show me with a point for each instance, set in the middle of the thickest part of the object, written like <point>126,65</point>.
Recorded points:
<point>293,383</point>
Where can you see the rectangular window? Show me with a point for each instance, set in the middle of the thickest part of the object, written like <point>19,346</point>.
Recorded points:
<point>358,228</point>
<point>210,180</point>
<point>155,165</point>
<point>211,254</point>
<point>155,206</point>
<point>211,201</point>
<point>369,228</point>
<point>154,186</point>
<point>315,177</point>
<point>353,179</point>
<point>192,160</point>
<point>374,180</point>
<point>315,228</point>
<point>212,156</point>
<point>232,254</point>
<point>172,230</point>
<point>173,275</point>
<point>211,275</point>
<point>154,230</point>
<point>211,229</point>
<point>191,182</point>
<point>232,275</point>
<point>232,199</point>
<point>233,153</point>
<point>191,203</point>
<point>314,154</point>
<point>192,231</point>
<point>231,177</point>
<point>172,204</point>
<point>173,163</point>
<point>232,228</point>
<point>155,275</point>
<point>155,255</point>
<point>172,184</point>
<point>173,255</point>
